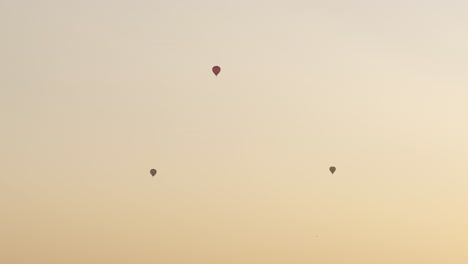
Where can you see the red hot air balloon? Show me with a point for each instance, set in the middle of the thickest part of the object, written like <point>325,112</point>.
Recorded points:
<point>216,70</point>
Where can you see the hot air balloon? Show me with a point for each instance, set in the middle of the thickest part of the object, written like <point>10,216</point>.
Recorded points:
<point>153,172</point>
<point>332,169</point>
<point>216,70</point>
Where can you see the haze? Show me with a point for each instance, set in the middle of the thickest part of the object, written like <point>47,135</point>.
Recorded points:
<point>94,94</point>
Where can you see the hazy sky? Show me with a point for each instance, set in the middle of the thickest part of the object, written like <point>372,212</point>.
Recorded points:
<point>96,93</point>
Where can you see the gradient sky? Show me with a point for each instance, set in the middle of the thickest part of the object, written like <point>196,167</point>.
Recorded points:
<point>96,93</point>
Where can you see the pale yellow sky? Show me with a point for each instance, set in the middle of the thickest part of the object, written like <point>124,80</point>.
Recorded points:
<point>93,94</point>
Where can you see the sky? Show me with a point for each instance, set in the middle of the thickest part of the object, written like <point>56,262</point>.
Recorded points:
<point>94,94</point>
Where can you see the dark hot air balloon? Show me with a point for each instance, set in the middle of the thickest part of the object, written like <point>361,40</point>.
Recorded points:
<point>216,70</point>
<point>332,169</point>
<point>153,172</point>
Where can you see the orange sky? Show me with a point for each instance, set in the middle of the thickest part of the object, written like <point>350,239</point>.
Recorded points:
<point>96,93</point>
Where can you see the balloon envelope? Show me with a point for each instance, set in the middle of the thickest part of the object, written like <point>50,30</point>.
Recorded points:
<point>153,172</point>
<point>332,169</point>
<point>216,70</point>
